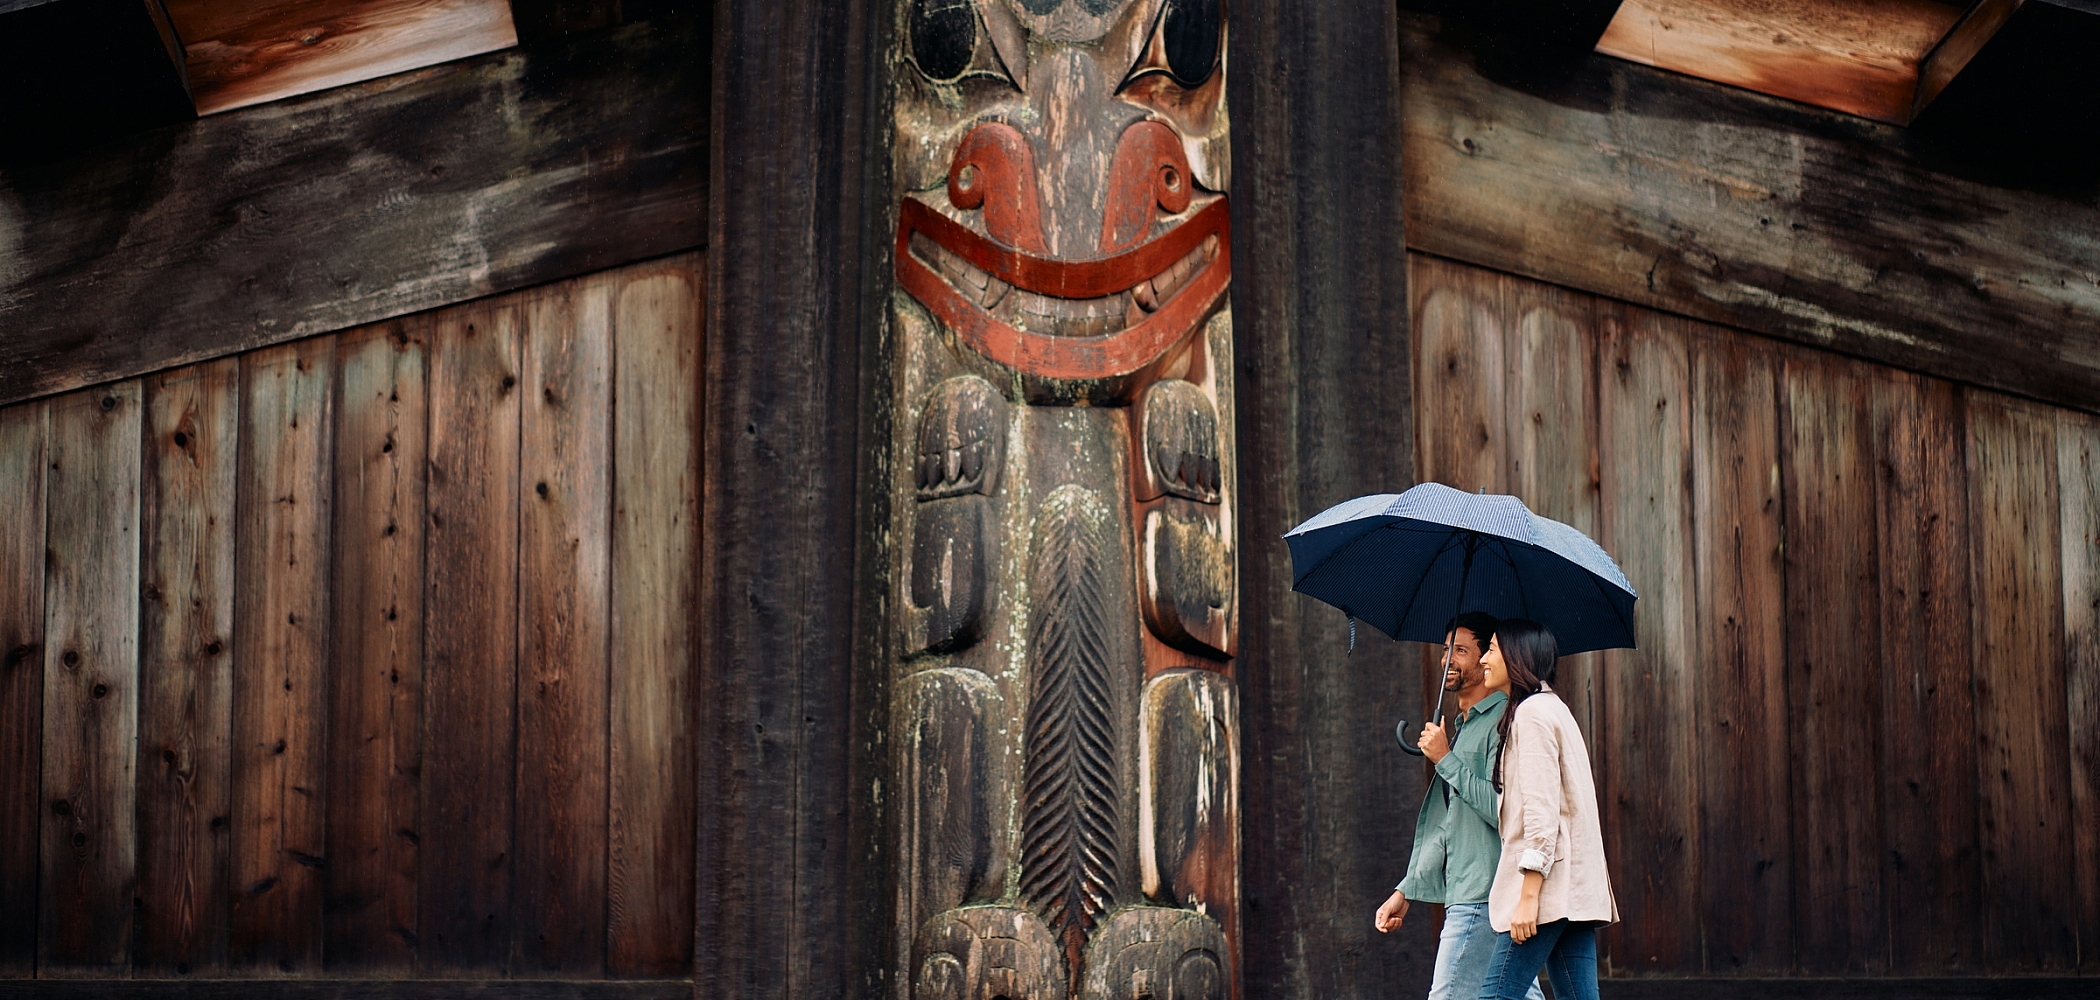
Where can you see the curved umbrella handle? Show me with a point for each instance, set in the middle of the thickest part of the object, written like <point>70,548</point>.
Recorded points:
<point>1400,733</point>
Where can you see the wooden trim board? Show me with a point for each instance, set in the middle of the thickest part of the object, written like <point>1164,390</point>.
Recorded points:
<point>248,53</point>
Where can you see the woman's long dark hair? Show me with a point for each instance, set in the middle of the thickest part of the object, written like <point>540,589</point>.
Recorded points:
<point>1531,653</point>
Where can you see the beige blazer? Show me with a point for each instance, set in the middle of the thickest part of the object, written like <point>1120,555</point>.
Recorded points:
<point>1549,820</point>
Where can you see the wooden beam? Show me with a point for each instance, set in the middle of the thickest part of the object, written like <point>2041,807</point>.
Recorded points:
<point>351,206</point>
<point>1761,214</point>
<point>262,50</point>
<point>790,687</point>
<point>75,72</point>
<point>1857,56</point>
<point>1319,291</point>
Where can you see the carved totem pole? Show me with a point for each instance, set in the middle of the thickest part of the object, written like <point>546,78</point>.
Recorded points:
<point>1065,749</point>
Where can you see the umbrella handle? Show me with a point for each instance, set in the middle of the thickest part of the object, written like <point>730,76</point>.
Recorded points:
<point>1400,733</point>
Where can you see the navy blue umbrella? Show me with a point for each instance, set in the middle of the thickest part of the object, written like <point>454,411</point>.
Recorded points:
<point>1407,563</point>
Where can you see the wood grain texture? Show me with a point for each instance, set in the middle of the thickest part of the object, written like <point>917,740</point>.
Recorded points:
<point>2078,495</point>
<point>1832,585</point>
<point>1928,748</point>
<point>89,838</point>
<point>655,539</point>
<point>1325,413</point>
<point>1460,415</point>
<point>461,181</point>
<point>1731,207</point>
<point>1650,790</point>
<point>23,431</point>
<point>564,623</point>
<point>375,720</point>
<point>1746,869</point>
<point>248,53</point>
<point>786,740</point>
<point>470,643</point>
<point>1857,56</point>
<point>280,673</point>
<point>2029,871</point>
<point>185,762</point>
<point>1551,395</point>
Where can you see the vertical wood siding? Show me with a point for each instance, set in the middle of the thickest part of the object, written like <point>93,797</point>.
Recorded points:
<point>364,655</point>
<point>1859,736</point>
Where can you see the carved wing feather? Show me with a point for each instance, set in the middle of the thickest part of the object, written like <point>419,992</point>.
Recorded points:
<point>1068,832</point>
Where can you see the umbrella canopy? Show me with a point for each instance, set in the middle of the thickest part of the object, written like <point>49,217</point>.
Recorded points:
<point>1401,562</point>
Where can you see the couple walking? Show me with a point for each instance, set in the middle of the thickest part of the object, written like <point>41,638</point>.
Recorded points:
<point>1508,838</point>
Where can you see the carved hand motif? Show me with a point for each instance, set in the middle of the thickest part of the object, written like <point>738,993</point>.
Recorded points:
<point>1188,558</point>
<point>962,445</point>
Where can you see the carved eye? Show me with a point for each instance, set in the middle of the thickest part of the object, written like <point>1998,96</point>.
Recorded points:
<point>1189,33</point>
<point>943,37</point>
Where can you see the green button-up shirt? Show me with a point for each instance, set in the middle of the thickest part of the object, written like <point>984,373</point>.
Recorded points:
<point>1456,843</point>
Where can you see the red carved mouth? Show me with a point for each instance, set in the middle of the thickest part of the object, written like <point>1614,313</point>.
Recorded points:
<point>1154,271</point>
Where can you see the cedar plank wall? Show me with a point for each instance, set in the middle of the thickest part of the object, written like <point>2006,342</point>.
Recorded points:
<point>362,747</point>
<point>1860,725</point>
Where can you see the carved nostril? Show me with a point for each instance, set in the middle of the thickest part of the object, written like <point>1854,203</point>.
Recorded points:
<point>1171,177</point>
<point>966,178</point>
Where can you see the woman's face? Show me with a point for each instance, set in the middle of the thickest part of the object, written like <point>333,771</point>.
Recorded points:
<point>1493,670</point>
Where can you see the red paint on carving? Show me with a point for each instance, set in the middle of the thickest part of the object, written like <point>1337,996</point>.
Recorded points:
<point>994,168</point>
<point>1150,170</point>
<point>1106,356</point>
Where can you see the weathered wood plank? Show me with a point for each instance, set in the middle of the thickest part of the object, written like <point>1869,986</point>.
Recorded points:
<point>1460,421</point>
<point>375,721</point>
<point>280,672</point>
<point>1857,56</point>
<point>469,179</point>
<point>564,609</point>
<point>1741,727</point>
<point>1650,784</point>
<point>90,727</point>
<point>791,830</point>
<point>1928,718</point>
<point>2029,868</point>
<point>1319,289</point>
<point>22,446</point>
<point>1736,208</point>
<point>470,643</point>
<point>248,53</point>
<point>2078,495</point>
<point>1460,416</point>
<point>1551,394</point>
<point>655,539</point>
<point>185,764</point>
<point>1832,720</point>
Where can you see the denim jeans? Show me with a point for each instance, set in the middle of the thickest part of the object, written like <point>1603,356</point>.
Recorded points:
<point>1463,952</point>
<point>1567,950</point>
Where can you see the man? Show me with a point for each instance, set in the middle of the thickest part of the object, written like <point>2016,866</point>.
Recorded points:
<point>1456,842</point>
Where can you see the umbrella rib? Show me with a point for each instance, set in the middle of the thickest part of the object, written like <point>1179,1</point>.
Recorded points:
<point>1350,544</point>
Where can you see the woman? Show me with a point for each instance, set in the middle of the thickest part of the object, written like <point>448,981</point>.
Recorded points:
<point>1551,891</point>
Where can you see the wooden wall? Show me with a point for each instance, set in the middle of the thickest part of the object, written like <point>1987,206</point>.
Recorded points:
<point>363,655</point>
<point>1859,735</point>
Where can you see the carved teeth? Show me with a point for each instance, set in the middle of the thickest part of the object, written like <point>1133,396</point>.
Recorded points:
<point>1060,316</point>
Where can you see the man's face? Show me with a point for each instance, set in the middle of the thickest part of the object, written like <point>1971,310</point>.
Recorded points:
<point>1464,671</point>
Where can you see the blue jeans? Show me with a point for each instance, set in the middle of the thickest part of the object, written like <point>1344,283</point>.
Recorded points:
<point>1463,952</point>
<point>1567,950</point>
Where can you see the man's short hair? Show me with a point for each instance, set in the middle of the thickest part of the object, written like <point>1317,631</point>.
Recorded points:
<point>1480,623</point>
